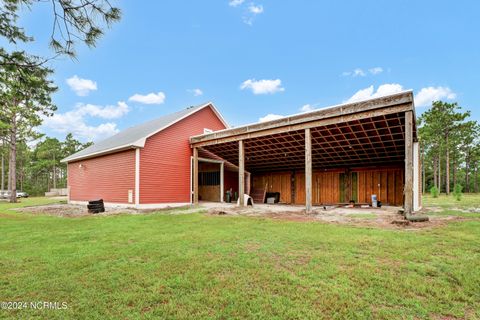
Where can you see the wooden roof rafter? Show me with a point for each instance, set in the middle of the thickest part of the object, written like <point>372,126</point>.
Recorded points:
<point>342,136</point>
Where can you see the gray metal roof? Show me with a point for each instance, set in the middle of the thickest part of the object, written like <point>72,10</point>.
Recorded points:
<point>134,137</point>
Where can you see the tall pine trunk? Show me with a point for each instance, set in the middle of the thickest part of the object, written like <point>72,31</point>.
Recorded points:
<point>475,178</point>
<point>435,172</point>
<point>12,165</point>
<point>439,173</point>
<point>447,167</point>
<point>3,171</point>
<point>454,170</point>
<point>54,174</point>
<point>467,172</point>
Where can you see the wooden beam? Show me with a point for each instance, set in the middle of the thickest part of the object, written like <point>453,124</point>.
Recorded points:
<point>408,188</point>
<point>195,176</point>
<point>241,173</point>
<point>286,125</point>
<point>308,171</point>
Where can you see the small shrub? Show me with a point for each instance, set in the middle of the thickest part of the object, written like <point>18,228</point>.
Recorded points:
<point>457,192</point>
<point>434,192</point>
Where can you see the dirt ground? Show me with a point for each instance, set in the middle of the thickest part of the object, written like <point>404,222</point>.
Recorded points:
<point>366,217</point>
<point>70,210</point>
<point>370,217</point>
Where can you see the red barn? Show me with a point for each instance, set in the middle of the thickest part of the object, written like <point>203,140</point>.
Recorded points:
<point>364,152</point>
<point>148,165</point>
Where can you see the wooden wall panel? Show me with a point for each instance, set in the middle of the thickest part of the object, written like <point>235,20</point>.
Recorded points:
<point>326,187</point>
<point>209,193</point>
<point>300,188</point>
<point>387,184</point>
<point>275,182</point>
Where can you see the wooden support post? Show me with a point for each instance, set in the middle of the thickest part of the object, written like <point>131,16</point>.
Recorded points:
<point>222,178</point>
<point>308,171</point>
<point>195,176</point>
<point>408,188</point>
<point>241,173</point>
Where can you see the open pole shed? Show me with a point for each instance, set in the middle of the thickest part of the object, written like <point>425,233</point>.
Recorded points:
<point>328,156</point>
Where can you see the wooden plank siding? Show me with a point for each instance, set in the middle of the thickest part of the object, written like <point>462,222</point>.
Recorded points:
<point>275,182</point>
<point>327,186</point>
<point>108,177</point>
<point>209,192</point>
<point>387,184</point>
<point>165,160</point>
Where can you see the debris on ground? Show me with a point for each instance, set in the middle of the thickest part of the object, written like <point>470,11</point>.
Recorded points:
<point>416,217</point>
<point>71,210</point>
<point>401,222</point>
<point>385,217</point>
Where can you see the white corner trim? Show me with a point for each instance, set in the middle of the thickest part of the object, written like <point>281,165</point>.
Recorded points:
<point>137,176</point>
<point>191,179</point>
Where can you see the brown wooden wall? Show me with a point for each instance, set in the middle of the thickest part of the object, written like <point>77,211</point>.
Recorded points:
<point>325,187</point>
<point>209,192</point>
<point>275,182</point>
<point>328,187</point>
<point>387,184</point>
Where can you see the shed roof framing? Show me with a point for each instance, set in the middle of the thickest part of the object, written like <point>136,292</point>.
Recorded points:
<point>361,134</point>
<point>397,103</point>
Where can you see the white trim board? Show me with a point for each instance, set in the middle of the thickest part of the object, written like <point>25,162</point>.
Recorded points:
<point>137,176</point>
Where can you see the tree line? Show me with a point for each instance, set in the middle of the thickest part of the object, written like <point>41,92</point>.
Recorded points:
<point>25,85</point>
<point>39,167</point>
<point>450,149</point>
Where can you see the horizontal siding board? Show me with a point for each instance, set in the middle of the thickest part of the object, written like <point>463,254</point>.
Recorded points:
<point>109,177</point>
<point>165,159</point>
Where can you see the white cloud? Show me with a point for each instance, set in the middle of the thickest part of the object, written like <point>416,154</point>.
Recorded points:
<point>355,73</point>
<point>307,108</point>
<point>151,98</point>
<point>107,112</point>
<point>251,12</point>
<point>370,93</point>
<point>270,117</point>
<point>376,70</point>
<point>255,9</point>
<point>81,87</point>
<point>196,92</point>
<point>235,3</point>
<point>74,121</point>
<point>263,86</point>
<point>427,95</point>
<point>361,73</point>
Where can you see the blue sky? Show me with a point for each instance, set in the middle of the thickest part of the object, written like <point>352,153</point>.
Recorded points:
<point>262,57</point>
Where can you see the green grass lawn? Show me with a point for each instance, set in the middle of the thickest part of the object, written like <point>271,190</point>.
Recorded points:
<point>195,266</point>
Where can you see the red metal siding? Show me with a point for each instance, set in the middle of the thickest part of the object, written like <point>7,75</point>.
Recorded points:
<point>165,159</point>
<point>108,177</point>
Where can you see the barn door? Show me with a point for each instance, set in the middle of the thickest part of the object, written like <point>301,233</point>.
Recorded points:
<point>348,187</point>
